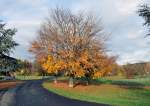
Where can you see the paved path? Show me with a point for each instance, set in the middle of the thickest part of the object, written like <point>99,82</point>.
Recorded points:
<point>31,93</point>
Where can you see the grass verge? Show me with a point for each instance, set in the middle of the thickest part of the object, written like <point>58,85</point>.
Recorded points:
<point>8,84</point>
<point>113,92</point>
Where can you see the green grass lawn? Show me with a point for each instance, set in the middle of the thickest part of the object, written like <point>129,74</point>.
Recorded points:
<point>122,92</point>
<point>30,77</point>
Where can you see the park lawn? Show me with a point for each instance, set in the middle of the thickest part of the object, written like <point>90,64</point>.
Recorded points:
<point>113,92</point>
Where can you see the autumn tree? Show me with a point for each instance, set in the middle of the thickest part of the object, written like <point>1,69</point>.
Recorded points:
<point>72,44</point>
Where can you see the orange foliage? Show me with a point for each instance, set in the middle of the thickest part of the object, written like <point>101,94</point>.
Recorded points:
<point>51,65</point>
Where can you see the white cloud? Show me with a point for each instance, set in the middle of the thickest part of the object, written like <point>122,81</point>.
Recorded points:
<point>111,11</point>
<point>127,7</point>
<point>136,56</point>
<point>24,23</point>
<point>135,34</point>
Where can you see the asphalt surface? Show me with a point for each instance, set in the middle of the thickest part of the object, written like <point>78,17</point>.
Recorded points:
<point>31,93</point>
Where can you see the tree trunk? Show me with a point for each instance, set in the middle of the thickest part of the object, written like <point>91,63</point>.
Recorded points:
<point>71,82</point>
<point>55,79</point>
<point>88,81</point>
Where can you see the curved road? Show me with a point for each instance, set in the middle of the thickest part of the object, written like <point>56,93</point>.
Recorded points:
<point>31,93</point>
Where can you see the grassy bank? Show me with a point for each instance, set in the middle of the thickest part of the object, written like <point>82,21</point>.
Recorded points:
<point>123,92</point>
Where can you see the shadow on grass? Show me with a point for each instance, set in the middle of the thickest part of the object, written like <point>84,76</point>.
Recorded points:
<point>123,84</point>
<point>129,85</point>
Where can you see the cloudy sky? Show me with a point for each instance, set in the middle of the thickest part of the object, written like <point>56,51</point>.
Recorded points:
<point>119,19</point>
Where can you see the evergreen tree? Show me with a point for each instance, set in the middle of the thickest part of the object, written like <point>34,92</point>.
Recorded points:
<point>144,11</point>
<point>7,44</point>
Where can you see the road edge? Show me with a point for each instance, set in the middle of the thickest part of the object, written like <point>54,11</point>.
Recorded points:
<point>8,97</point>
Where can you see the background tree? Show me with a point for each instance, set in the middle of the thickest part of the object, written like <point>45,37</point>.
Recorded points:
<point>8,64</point>
<point>37,69</point>
<point>73,44</point>
<point>136,69</point>
<point>26,67</point>
<point>147,69</point>
<point>7,44</point>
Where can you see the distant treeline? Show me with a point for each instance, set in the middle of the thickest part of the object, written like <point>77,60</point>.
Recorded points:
<point>136,69</point>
